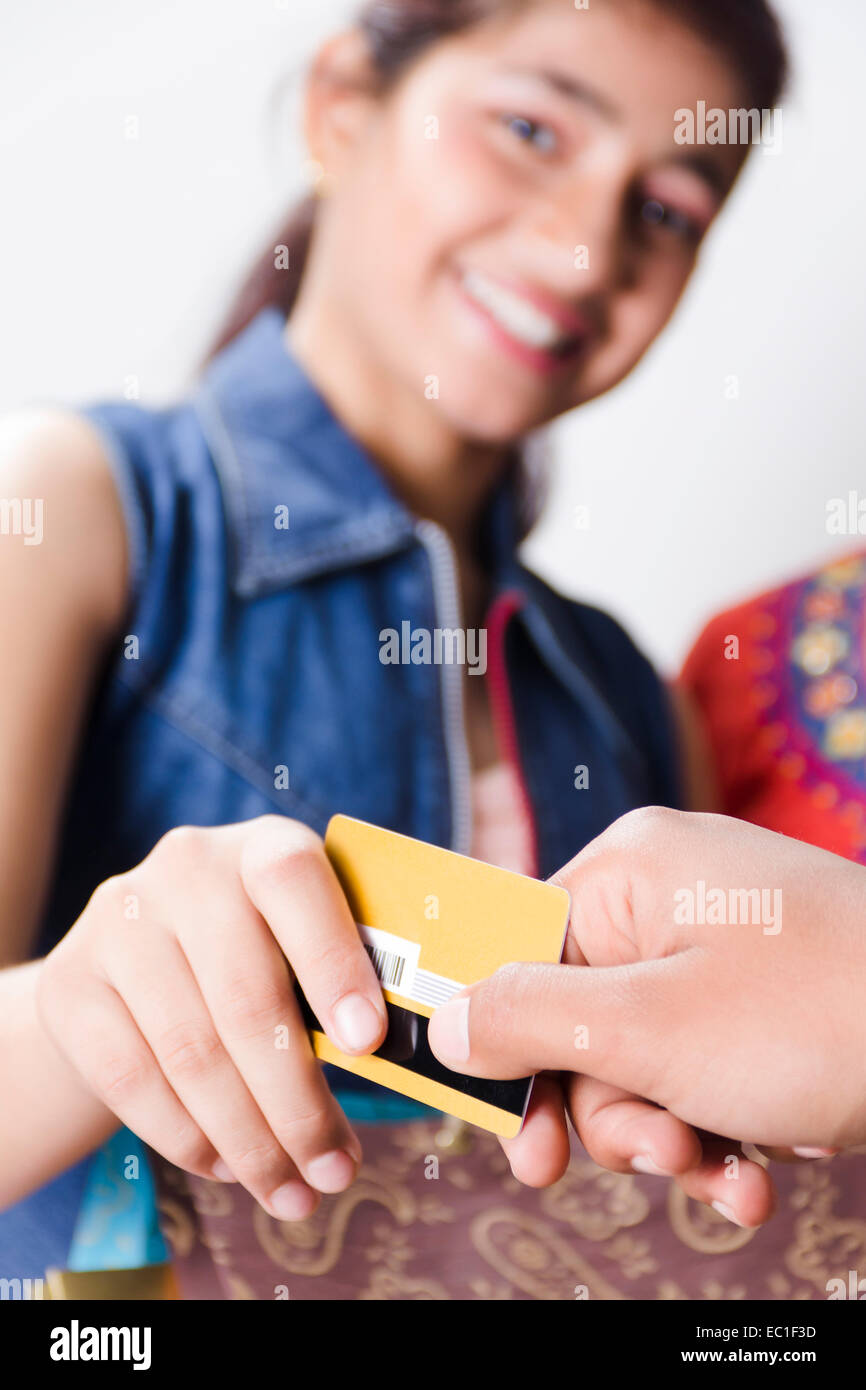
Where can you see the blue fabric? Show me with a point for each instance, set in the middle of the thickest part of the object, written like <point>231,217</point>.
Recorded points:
<point>117,1225</point>
<point>36,1233</point>
<point>377,1106</point>
<point>251,646</point>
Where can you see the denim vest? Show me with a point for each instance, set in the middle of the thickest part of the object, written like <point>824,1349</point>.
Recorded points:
<point>267,556</point>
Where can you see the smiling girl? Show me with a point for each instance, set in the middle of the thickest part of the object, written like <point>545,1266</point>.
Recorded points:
<point>503,224</point>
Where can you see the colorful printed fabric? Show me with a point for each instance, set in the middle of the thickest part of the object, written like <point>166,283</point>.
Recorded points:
<point>117,1226</point>
<point>781,683</point>
<point>118,1223</point>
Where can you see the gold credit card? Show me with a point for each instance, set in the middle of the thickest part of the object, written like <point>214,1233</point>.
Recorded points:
<point>432,922</point>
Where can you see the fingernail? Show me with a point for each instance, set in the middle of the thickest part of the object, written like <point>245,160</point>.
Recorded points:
<point>292,1202</point>
<point>450,1024</point>
<point>331,1172</point>
<point>357,1023</point>
<point>644,1164</point>
<point>728,1213</point>
<point>814,1153</point>
<point>222,1172</point>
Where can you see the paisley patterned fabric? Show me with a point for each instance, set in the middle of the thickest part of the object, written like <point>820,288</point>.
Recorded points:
<point>436,1214</point>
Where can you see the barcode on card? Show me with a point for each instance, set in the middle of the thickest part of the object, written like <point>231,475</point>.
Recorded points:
<point>395,961</point>
<point>389,967</point>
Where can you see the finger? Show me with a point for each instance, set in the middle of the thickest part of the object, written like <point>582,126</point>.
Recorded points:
<point>166,1003</point>
<point>740,1190</point>
<point>287,876</point>
<point>257,1017</point>
<point>613,1023</point>
<point>108,1050</point>
<point>540,1153</point>
<point>626,1134</point>
<point>803,1155</point>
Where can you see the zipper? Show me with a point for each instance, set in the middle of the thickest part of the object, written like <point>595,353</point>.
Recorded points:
<point>499,615</point>
<point>448,609</point>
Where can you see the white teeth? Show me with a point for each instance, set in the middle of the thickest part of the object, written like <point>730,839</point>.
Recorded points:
<point>516,315</point>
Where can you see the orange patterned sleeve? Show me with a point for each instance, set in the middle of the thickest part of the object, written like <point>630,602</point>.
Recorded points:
<point>780,683</point>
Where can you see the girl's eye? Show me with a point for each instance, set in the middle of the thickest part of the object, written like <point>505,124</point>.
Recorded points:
<point>531,132</point>
<point>657,214</point>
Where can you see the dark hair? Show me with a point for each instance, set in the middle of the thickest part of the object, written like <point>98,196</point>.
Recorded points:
<point>398,31</point>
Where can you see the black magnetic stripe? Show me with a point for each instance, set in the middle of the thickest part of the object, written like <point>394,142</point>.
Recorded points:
<point>406,1045</point>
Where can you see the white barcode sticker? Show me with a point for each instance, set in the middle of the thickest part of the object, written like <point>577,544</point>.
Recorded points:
<point>395,960</point>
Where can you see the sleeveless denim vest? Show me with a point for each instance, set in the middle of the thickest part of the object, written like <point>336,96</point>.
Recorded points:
<point>267,556</point>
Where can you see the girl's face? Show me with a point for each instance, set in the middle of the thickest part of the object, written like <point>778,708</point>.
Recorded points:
<point>515,218</point>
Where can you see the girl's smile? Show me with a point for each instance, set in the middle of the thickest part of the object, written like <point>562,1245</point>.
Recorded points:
<point>536,330</point>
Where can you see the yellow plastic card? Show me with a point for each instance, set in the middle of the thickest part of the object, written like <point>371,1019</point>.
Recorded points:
<point>432,922</point>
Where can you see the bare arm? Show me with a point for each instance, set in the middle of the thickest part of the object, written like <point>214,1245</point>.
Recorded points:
<point>60,603</point>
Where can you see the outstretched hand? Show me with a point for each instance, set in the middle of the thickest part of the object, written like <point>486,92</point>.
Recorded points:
<point>723,1005</point>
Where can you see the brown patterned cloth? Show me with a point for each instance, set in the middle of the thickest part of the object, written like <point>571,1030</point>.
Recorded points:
<point>473,1232</point>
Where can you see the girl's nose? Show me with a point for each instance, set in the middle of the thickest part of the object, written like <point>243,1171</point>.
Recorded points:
<point>578,235</point>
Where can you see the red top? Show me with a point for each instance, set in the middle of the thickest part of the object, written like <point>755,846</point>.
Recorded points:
<point>781,684</point>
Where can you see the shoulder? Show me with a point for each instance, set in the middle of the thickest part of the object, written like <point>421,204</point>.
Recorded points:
<point>59,449</point>
<point>168,490</point>
<point>57,497</point>
<point>715,654</point>
<point>810,623</point>
<point>722,682</point>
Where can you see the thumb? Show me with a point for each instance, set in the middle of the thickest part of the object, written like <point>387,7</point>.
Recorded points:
<point>610,1022</point>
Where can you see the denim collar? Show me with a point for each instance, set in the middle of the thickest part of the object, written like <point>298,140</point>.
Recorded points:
<point>277,444</point>
<point>281,453</point>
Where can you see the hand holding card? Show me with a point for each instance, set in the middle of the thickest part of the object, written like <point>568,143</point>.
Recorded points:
<point>433,922</point>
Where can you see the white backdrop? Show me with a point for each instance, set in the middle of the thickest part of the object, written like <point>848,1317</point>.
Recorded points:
<point>119,254</point>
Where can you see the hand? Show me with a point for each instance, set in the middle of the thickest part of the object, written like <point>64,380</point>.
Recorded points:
<point>172,996</point>
<point>753,1030</point>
